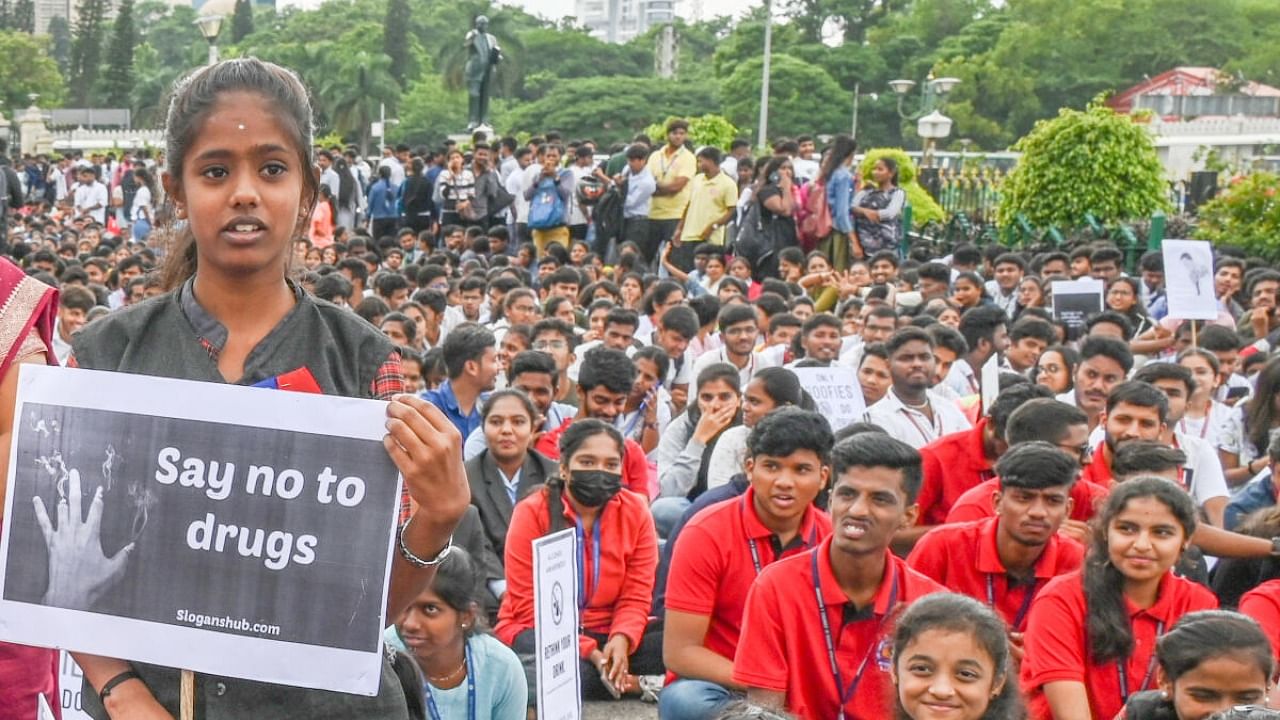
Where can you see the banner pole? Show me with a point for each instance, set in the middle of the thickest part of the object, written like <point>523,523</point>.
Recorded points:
<point>1195,335</point>
<point>188,696</point>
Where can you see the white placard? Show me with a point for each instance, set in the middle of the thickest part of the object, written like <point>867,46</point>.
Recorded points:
<point>1188,279</point>
<point>836,392</point>
<point>70,682</point>
<point>241,532</point>
<point>43,711</point>
<point>555,625</point>
<point>990,382</point>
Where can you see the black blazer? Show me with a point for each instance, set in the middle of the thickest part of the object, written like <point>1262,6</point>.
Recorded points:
<point>489,493</point>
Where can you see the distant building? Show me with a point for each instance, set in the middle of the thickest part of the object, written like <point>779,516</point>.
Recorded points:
<point>47,10</point>
<point>618,21</point>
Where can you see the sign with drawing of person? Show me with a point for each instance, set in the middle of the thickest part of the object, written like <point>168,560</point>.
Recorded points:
<point>234,531</point>
<point>1188,278</point>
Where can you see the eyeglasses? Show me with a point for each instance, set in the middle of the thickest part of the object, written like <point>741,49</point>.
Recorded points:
<point>550,345</point>
<point>1081,452</point>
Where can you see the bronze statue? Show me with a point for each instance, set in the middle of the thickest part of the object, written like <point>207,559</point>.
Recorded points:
<point>483,56</point>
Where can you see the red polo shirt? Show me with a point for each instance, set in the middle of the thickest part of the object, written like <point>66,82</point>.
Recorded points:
<point>1057,642</point>
<point>712,566</point>
<point>628,550</point>
<point>976,503</point>
<point>1263,604</point>
<point>964,558</point>
<point>635,467</point>
<point>1098,471</point>
<point>951,465</point>
<point>783,645</point>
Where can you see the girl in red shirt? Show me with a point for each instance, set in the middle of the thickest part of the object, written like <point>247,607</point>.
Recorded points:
<point>1211,661</point>
<point>618,559</point>
<point>1090,640</point>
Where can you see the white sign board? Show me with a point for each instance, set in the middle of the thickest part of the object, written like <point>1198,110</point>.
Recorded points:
<point>227,530</point>
<point>70,682</point>
<point>836,392</point>
<point>555,625</point>
<point>1188,279</point>
<point>990,382</point>
<point>43,711</point>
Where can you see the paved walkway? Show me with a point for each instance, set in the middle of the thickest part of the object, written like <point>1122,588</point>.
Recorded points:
<point>621,710</point>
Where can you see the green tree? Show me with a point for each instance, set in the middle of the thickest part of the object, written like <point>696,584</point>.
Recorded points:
<point>428,111</point>
<point>1094,161</point>
<point>60,49</point>
<point>117,82</point>
<point>352,86</point>
<point>37,73</point>
<point>241,20</point>
<point>711,130</point>
<point>395,38</point>
<point>86,49</point>
<point>803,98</point>
<point>1246,215</point>
<point>24,16</point>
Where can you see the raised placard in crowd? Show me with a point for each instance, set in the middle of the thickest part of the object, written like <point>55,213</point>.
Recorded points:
<point>235,531</point>
<point>836,392</point>
<point>1075,301</point>
<point>1188,273</point>
<point>555,591</point>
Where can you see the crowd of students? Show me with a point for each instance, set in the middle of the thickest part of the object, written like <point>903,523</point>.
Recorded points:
<point>1060,553</point>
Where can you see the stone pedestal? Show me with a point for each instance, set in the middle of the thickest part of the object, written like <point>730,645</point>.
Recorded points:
<point>36,138</point>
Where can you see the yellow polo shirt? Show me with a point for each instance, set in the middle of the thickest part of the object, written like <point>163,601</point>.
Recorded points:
<point>666,168</point>
<point>709,200</point>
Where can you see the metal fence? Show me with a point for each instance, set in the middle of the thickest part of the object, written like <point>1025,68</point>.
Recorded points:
<point>974,192</point>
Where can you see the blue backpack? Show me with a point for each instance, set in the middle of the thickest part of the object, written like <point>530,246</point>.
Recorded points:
<point>546,208</point>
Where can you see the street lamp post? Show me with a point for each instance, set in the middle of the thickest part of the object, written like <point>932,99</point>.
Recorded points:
<point>932,128</point>
<point>763,137</point>
<point>931,125</point>
<point>209,26</point>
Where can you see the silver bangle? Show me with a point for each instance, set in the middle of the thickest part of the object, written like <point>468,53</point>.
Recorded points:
<point>416,561</point>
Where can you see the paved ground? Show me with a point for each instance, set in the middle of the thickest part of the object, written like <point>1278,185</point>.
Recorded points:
<point>622,710</point>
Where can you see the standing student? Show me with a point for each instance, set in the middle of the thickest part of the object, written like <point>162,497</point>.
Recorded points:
<point>1005,560</point>
<point>722,550</point>
<point>951,660</point>
<point>1209,662</point>
<point>240,173</point>
<point>818,627</point>
<point>469,673</point>
<point>1091,636</point>
<point>618,555</point>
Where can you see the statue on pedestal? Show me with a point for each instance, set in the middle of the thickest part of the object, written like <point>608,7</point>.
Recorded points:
<point>483,56</point>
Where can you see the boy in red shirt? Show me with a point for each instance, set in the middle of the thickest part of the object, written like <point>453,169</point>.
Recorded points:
<point>1003,561</point>
<point>817,634</point>
<point>723,548</point>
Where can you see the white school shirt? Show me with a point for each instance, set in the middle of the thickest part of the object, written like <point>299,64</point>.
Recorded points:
<point>962,379</point>
<point>911,426</point>
<point>757,362</point>
<point>1202,472</point>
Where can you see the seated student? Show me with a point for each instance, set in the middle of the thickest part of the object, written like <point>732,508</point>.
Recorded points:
<point>648,410</point>
<point>1260,493</point>
<point>957,462</point>
<point>1090,640</point>
<point>468,672</point>
<point>950,653</point>
<point>712,568</point>
<point>506,470</point>
<point>534,373</point>
<point>685,449</point>
<point>910,411</point>
<point>619,555</point>
<point>770,389</point>
<point>471,359</point>
<point>1209,662</point>
<point>1005,560</point>
<point>820,339</point>
<point>557,338</point>
<point>817,626</point>
<point>739,328</point>
<point>1104,363</point>
<point>603,386</point>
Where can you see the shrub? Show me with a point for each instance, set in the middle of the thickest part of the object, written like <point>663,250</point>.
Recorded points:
<point>1246,215</point>
<point>713,130</point>
<point>923,207</point>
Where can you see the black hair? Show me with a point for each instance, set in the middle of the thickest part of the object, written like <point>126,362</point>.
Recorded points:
<point>952,612</point>
<point>681,319</point>
<point>1151,261</point>
<point>783,387</point>
<point>659,293</point>
<point>1145,457</point>
<point>889,255</point>
<point>1031,327</point>
<point>1042,419</point>
<point>465,343</point>
<point>1216,338</point>
<point>980,323</point>
<point>731,315</point>
<point>771,303</point>
<point>577,433</point>
<point>533,361</point>
<point>876,450</point>
<point>1110,635</point>
<point>621,316</point>
<point>788,429</point>
<point>1108,347</point>
<point>388,283</point>
<point>372,308</point>
<point>707,307</point>
<point>512,393</point>
<point>1139,394</point>
<point>607,368</point>
<point>406,322</point>
<point>1106,253</point>
<point>1114,318</point>
<point>1010,257</point>
<point>1012,398</point>
<point>822,319</point>
<point>948,337</point>
<point>1260,412</point>
<point>331,286</point>
<point>1208,634</point>
<point>966,254</point>
<point>1036,465</point>
<point>195,96</point>
<point>558,326</point>
<point>905,335</point>
<point>782,320</point>
<point>842,148</point>
<point>655,355</point>
<point>1070,358</point>
<point>455,583</point>
<point>1151,372</point>
<point>935,271</point>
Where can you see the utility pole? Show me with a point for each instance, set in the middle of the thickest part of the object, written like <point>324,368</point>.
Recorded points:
<point>763,137</point>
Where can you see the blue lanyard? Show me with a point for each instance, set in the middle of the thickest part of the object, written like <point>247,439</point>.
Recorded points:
<point>1026,600</point>
<point>751,542</point>
<point>1123,671</point>
<point>471,688</point>
<point>595,561</point>
<point>845,695</point>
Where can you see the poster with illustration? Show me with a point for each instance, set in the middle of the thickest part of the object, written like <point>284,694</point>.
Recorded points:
<point>1188,279</point>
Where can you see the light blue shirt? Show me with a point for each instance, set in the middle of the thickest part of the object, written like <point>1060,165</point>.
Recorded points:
<point>640,189</point>
<point>502,692</point>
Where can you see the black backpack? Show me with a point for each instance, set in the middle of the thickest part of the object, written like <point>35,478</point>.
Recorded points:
<point>608,214</point>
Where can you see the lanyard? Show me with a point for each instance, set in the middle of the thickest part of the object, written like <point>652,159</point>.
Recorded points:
<point>595,561</point>
<point>751,542</point>
<point>1026,601</point>
<point>631,426</point>
<point>1204,429</point>
<point>1151,667</point>
<point>846,694</point>
<point>471,689</point>
<point>934,426</point>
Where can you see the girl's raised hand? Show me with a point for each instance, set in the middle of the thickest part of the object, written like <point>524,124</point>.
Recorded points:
<point>427,449</point>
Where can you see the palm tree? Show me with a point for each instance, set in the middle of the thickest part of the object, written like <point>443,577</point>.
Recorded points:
<point>351,88</point>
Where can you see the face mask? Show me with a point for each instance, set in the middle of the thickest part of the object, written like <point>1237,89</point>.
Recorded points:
<point>594,488</point>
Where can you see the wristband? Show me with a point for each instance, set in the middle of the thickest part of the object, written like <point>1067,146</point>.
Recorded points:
<point>114,682</point>
<point>416,561</point>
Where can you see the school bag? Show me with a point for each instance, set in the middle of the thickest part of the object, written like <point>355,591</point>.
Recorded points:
<point>816,223</point>
<point>546,207</point>
<point>608,214</point>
